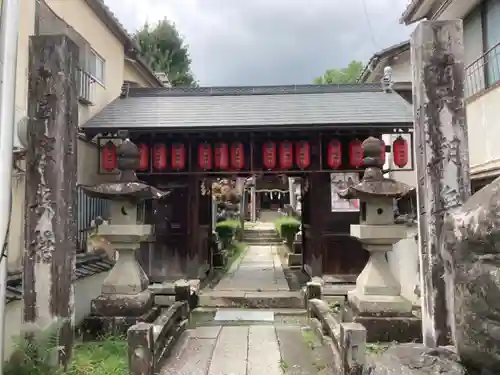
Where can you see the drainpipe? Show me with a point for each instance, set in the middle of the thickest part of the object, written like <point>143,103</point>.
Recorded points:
<point>9,31</point>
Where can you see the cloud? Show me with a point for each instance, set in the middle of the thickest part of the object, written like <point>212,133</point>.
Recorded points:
<point>266,42</point>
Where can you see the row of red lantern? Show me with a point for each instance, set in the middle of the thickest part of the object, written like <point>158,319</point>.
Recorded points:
<point>225,157</point>
<point>221,156</point>
<point>286,156</point>
<point>334,153</point>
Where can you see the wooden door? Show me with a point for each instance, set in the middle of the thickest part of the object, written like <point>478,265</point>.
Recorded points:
<point>169,251</point>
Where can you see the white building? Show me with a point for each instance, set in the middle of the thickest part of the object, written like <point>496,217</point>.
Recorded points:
<point>482,79</point>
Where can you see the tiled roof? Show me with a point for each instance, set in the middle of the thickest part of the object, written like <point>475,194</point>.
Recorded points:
<point>242,107</point>
<point>86,265</point>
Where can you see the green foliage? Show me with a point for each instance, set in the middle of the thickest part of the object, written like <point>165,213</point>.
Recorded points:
<point>36,356</point>
<point>287,227</point>
<point>227,229</point>
<point>162,47</point>
<point>106,357</point>
<point>343,75</point>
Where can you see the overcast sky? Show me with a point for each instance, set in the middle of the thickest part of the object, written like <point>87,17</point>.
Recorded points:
<point>271,42</point>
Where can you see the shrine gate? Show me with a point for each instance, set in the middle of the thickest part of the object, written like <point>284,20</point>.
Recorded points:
<point>189,135</point>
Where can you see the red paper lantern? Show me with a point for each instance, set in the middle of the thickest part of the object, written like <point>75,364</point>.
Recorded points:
<point>286,155</point>
<point>178,154</point>
<point>400,152</point>
<point>108,156</point>
<point>303,154</point>
<point>356,153</point>
<point>159,156</point>
<point>334,154</point>
<point>269,155</point>
<point>382,154</point>
<point>237,155</point>
<point>143,157</point>
<point>205,156</point>
<point>221,159</point>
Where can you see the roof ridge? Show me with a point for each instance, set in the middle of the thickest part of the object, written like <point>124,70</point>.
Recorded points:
<point>254,90</point>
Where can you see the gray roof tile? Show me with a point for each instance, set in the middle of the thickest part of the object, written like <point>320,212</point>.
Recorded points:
<point>254,107</point>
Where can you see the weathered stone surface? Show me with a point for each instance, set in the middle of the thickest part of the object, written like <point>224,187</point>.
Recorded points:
<point>122,304</point>
<point>472,237</point>
<point>415,359</point>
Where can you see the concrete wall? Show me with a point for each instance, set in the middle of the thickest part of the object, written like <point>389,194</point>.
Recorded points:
<point>131,73</point>
<point>403,261</point>
<point>85,290</point>
<point>482,122</point>
<point>81,17</point>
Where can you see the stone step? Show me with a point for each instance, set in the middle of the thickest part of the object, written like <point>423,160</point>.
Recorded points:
<point>206,316</point>
<point>259,232</point>
<point>256,300</point>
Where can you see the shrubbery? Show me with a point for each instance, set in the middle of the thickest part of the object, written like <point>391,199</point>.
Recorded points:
<point>226,230</point>
<point>287,227</point>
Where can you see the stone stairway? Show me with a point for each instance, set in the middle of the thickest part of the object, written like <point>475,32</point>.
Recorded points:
<point>259,235</point>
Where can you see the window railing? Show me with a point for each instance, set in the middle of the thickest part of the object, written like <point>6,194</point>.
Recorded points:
<point>483,72</point>
<point>86,86</point>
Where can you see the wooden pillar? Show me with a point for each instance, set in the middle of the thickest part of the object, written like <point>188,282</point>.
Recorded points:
<point>50,231</point>
<point>193,204</point>
<point>314,240</point>
<point>442,161</point>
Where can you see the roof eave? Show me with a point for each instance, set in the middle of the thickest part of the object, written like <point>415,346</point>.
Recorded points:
<point>380,56</point>
<point>407,17</point>
<point>130,46</point>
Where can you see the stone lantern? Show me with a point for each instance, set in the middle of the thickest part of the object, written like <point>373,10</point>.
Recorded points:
<point>377,291</point>
<point>125,291</point>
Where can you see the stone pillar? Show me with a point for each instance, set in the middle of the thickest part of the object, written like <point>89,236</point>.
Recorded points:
<point>442,163</point>
<point>50,232</point>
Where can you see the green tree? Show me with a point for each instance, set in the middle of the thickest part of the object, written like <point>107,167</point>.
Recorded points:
<point>164,50</point>
<point>343,75</point>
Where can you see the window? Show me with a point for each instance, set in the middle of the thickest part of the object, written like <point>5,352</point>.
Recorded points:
<point>482,53</point>
<point>96,66</point>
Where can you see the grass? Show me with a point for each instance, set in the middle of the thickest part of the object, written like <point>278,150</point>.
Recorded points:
<point>106,357</point>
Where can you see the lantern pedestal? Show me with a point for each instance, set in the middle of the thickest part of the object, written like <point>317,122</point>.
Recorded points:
<point>377,302</point>
<point>125,298</point>
<point>376,288</point>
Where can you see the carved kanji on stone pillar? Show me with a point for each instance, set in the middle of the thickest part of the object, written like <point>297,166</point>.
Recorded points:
<point>50,228</point>
<point>442,162</point>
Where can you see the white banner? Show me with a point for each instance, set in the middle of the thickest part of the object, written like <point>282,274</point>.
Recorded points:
<point>341,181</point>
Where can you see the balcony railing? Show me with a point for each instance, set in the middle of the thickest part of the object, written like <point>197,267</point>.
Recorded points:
<point>86,88</point>
<point>483,72</point>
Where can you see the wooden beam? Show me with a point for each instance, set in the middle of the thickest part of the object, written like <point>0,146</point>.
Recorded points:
<point>442,159</point>
<point>50,232</point>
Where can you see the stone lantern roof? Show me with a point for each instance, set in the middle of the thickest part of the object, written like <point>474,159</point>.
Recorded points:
<point>374,184</point>
<point>128,187</point>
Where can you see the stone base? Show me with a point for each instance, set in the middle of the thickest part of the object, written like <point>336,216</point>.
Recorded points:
<point>252,300</point>
<point>372,305</point>
<point>133,305</point>
<point>294,260</point>
<point>164,293</point>
<point>94,327</point>
<point>297,247</point>
<point>391,328</point>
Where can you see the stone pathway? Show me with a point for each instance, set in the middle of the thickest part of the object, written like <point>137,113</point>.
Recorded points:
<point>251,340</point>
<point>247,350</point>
<point>260,270</point>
